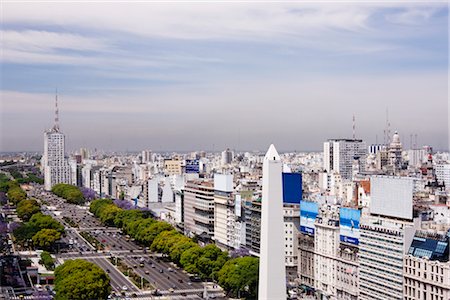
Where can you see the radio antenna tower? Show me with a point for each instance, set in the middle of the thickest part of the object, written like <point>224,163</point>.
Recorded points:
<point>354,127</point>
<point>56,126</point>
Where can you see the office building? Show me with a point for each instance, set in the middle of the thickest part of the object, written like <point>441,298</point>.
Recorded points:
<point>227,157</point>
<point>56,167</point>
<point>339,156</point>
<point>199,208</point>
<point>385,237</point>
<point>224,211</point>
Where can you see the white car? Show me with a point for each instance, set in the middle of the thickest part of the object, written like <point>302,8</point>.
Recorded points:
<point>124,288</point>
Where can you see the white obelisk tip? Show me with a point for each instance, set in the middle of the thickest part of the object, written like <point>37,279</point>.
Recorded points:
<point>272,154</point>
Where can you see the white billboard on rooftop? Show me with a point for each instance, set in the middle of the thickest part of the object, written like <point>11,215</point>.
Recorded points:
<point>392,196</point>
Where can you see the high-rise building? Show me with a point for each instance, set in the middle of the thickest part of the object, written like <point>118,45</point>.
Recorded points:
<point>272,271</point>
<point>385,238</point>
<point>199,207</point>
<point>146,156</point>
<point>224,212</point>
<point>339,156</point>
<point>227,157</point>
<point>55,165</point>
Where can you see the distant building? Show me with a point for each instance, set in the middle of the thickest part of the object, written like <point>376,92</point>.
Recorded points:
<point>339,156</point>
<point>55,165</point>
<point>395,153</point>
<point>172,167</point>
<point>146,156</point>
<point>443,174</point>
<point>227,157</point>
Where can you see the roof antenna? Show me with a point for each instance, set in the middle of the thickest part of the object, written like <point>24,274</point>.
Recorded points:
<point>56,126</point>
<point>354,127</point>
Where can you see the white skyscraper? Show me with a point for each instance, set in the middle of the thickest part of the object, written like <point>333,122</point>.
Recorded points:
<point>55,166</point>
<point>272,272</point>
<point>339,156</point>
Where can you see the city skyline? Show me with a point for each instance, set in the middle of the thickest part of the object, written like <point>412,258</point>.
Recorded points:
<point>181,77</point>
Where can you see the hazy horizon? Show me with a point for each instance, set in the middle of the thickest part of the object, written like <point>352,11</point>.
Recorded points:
<point>188,76</point>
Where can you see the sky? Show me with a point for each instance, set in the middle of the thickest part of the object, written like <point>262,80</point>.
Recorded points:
<point>182,76</point>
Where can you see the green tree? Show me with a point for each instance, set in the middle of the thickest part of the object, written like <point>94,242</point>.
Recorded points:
<point>189,258</point>
<point>239,276</point>
<point>97,205</point>
<point>211,261</point>
<point>45,238</point>
<point>126,216</point>
<point>148,234</point>
<point>47,260</point>
<point>24,232</point>
<point>41,221</point>
<point>27,208</point>
<point>69,192</point>
<point>108,213</point>
<point>179,248</point>
<point>16,194</point>
<point>81,280</point>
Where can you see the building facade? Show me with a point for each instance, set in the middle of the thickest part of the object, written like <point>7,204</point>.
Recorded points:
<point>339,156</point>
<point>56,167</point>
<point>199,208</point>
<point>427,267</point>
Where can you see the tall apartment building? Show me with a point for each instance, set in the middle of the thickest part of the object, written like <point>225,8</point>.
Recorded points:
<point>199,207</point>
<point>443,174</point>
<point>385,237</point>
<point>328,252</point>
<point>227,157</point>
<point>326,242</point>
<point>224,212</point>
<point>252,215</point>
<point>382,246</point>
<point>339,156</point>
<point>426,268</point>
<point>291,214</point>
<point>56,167</point>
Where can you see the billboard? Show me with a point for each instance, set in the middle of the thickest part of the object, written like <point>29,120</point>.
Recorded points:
<point>192,166</point>
<point>349,225</point>
<point>308,213</point>
<point>392,196</point>
<point>292,188</point>
<point>223,182</point>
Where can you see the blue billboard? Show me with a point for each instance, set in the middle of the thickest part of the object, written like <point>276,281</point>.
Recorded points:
<point>292,188</point>
<point>349,225</point>
<point>192,166</point>
<point>308,214</point>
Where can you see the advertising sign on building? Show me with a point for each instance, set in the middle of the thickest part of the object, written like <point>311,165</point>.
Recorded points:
<point>308,213</point>
<point>192,166</point>
<point>392,196</point>
<point>349,225</point>
<point>292,188</point>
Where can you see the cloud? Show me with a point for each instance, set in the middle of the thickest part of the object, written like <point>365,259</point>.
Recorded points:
<point>44,41</point>
<point>190,20</point>
<point>412,15</point>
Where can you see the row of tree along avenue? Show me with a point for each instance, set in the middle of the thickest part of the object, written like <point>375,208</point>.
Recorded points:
<point>236,276</point>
